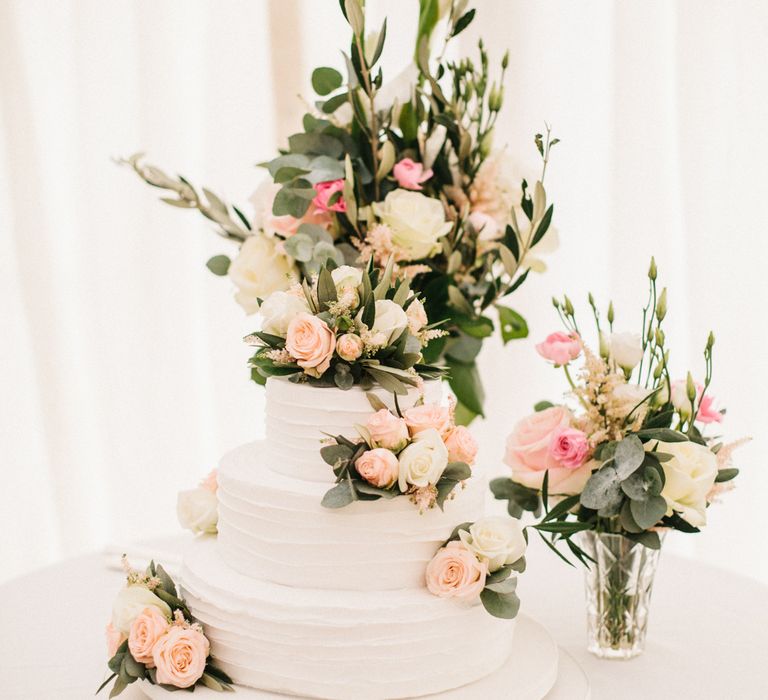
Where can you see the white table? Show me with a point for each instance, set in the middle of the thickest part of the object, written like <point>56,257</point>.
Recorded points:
<point>708,633</point>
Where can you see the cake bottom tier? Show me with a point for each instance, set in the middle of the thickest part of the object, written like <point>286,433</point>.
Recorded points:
<point>339,645</point>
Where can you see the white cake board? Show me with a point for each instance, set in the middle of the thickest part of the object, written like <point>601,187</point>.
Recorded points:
<point>530,674</point>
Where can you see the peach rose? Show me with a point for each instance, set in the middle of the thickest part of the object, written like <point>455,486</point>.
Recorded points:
<point>560,348</point>
<point>417,316</point>
<point>528,453</point>
<point>114,639</point>
<point>428,415</point>
<point>349,346</point>
<point>461,444</point>
<point>378,467</point>
<point>146,629</point>
<point>325,190</point>
<point>180,656</point>
<point>311,343</point>
<point>410,175</point>
<point>569,447</point>
<point>455,572</point>
<point>210,482</point>
<point>387,430</point>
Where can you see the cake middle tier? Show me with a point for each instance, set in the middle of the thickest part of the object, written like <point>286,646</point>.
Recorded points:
<point>272,527</point>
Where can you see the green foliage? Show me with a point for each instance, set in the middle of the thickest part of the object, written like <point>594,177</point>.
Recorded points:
<point>326,80</point>
<point>513,325</point>
<point>219,265</point>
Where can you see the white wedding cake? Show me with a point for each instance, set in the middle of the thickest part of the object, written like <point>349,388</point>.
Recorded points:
<point>331,603</point>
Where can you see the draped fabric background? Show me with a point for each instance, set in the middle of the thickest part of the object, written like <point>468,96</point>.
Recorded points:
<point>122,374</point>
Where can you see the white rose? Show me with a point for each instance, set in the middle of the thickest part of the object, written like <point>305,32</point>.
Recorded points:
<point>131,602</point>
<point>423,461</point>
<point>417,222</point>
<point>197,510</point>
<point>390,321</point>
<point>626,349</point>
<point>260,269</point>
<point>496,540</point>
<point>262,200</point>
<point>628,396</point>
<point>346,278</point>
<point>689,476</point>
<point>279,309</point>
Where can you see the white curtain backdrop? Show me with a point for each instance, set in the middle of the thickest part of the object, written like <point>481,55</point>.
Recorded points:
<point>122,374</point>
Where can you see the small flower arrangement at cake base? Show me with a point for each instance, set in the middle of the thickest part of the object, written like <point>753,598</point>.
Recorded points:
<point>628,460</point>
<point>198,509</point>
<point>420,453</point>
<point>350,326</point>
<point>153,637</point>
<point>480,562</point>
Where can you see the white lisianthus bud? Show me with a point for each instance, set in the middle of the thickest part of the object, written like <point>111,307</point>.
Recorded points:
<point>626,349</point>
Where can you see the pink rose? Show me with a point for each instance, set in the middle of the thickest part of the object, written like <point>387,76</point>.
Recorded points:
<point>455,572</point>
<point>349,346</point>
<point>410,175</point>
<point>529,456</point>
<point>569,447</point>
<point>325,190</point>
<point>311,343</point>
<point>378,467</point>
<point>180,655</point>
<point>428,415</point>
<point>210,482</point>
<point>114,639</point>
<point>461,444</point>
<point>560,348</point>
<point>146,629</point>
<point>387,430</point>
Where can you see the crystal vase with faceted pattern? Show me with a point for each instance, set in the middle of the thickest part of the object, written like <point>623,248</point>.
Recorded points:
<point>618,588</point>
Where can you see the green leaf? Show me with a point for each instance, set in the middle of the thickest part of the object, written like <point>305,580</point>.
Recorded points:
<point>513,325</point>
<point>119,686</point>
<point>379,43</point>
<point>475,326</point>
<point>300,247</point>
<point>463,22</point>
<point>332,454</point>
<point>219,265</point>
<point>543,226</point>
<point>562,527</point>
<point>457,529</point>
<point>133,668</point>
<point>444,489</point>
<point>635,487</point>
<point>518,565</point>
<point>466,384</point>
<point>506,585</point>
<point>627,520</point>
<point>458,471</point>
<point>629,455</point>
<point>726,475</point>
<point>602,489</point>
<point>165,580</point>
<point>292,202</point>
<point>662,434</point>
<point>647,513</point>
<point>463,415</point>
<point>499,575</point>
<point>340,495</point>
<point>326,289</point>
<point>542,406</point>
<point>387,380</point>
<point>289,173</point>
<point>647,539</point>
<point>464,348</point>
<point>409,122</point>
<point>316,144</point>
<point>326,80</point>
<point>562,507</point>
<point>105,683</point>
<point>526,498</point>
<point>503,605</point>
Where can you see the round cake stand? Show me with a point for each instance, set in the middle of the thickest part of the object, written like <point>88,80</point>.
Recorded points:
<point>530,674</point>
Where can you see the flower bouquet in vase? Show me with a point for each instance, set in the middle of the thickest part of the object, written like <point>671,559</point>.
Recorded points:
<point>403,169</point>
<point>624,461</point>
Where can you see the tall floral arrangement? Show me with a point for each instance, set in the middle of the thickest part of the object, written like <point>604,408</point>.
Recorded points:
<point>403,170</point>
<point>630,453</point>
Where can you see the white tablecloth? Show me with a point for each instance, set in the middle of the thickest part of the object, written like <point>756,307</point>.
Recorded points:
<point>708,635</point>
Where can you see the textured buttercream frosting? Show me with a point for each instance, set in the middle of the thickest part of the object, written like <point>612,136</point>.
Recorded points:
<point>356,645</point>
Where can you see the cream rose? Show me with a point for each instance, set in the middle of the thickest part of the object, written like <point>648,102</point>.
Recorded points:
<point>180,657</point>
<point>389,322</point>
<point>626,349</point>
<point>279,309</point>
<point>461,444</point>
<point>529,456</point>
<point>346,277</point>
<point>455,572</point>
<point>428,415</point>
<point>311,343</point>
<point>417,222</point>
<point>146,629</point>
<point>495,540</point>
<point>689,476</point>
<point>131,602</point>
<point>423,462</point>
<point>260,269</point>
<point>198,510</point>
<point>417,316</point>
<point>349,346</point>
<point>378,467</point>
<point>387,430</point>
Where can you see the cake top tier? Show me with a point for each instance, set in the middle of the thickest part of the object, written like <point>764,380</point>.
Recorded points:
<point>299,416</point>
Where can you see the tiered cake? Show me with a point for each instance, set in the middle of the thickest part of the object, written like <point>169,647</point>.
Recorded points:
<point>307,601</point>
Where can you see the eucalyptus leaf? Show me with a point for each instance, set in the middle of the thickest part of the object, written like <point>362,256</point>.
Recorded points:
<point>300,247</point>
<point>325,80</point>
<point>542,406</point>
<point>629,455</point>
<point>219,265</point>
<point>662,435</point>
<point>602,488</point>
<point>513,325</point>
<point>648,512</point>
<point>501,605</point>
<point>340,495</point>
<point>333,454</point>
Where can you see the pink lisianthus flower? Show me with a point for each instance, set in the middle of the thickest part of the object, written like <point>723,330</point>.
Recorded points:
<point>560,348</point>
<point>707,411</point>
<point>325,190</point>
<point>706,405</point>
<point>569,447</point>
<point>410,175</point>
